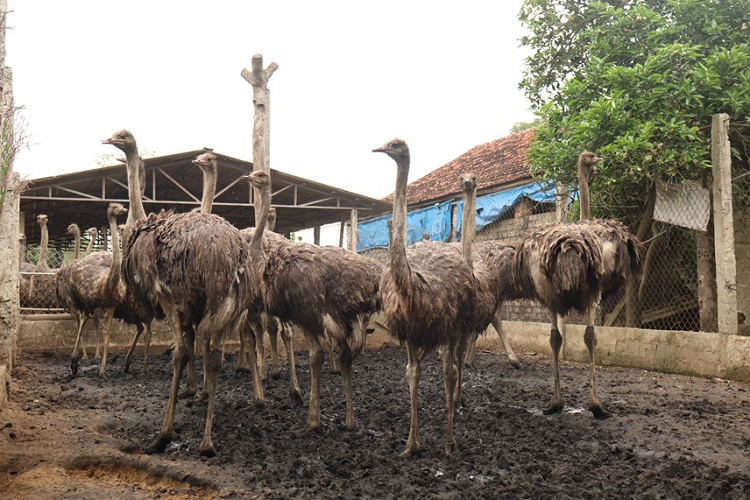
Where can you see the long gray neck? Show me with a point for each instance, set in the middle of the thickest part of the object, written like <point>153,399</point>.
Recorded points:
<point>77,245</point>
<point>583,191</point>
<point>399,265</point>
<point>136,187</point>
<point>43,244</point>
<point>256,246</point>
<point>113,277</point>
<point>209,190</point>
<point>469,223</point>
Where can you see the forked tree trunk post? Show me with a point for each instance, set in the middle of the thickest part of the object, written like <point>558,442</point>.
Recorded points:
<point>258,78</point>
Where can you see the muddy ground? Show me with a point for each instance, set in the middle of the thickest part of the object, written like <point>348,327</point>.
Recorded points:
<point>671,437</point>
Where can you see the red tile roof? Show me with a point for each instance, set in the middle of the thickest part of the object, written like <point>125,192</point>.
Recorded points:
<point>495,163</point>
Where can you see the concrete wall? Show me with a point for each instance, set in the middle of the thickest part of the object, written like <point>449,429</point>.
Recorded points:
<point>690,353</point>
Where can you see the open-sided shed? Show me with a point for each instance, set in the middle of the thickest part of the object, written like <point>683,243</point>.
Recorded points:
<point>173,182</point>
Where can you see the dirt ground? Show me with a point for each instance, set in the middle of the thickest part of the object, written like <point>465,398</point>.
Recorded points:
<point>671,437</point>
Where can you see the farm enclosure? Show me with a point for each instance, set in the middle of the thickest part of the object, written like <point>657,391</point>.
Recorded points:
<point>672,436</point>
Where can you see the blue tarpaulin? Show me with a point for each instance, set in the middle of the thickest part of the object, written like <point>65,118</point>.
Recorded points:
<point>435,220</point>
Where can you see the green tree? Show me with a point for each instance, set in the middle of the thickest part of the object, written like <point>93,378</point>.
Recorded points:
<point>638,82</point>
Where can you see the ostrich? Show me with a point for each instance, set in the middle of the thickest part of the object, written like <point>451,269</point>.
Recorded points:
<point>92,283</point>
<point>140,314</point>
<point>41,264</point>
<point>571,266</point>
<point>322,290</point>
<point>491,286</point>
<point>427,293</point>
<point>194,266</point>
<point>93,234</point>
<point>74,231</point>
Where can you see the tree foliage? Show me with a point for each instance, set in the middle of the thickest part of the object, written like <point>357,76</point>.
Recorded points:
<point>637,82</point>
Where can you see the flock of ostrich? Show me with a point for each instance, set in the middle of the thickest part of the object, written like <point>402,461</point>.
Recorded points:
<point>212,281</point>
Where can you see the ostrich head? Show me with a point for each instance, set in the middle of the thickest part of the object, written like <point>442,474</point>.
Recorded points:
<point>41,219</point>
<point>116,209</point>
<point>259,179</point>
<point>468,182</point>
<point>93,232</point>
<point>73,230</point>
<point>396,149</point>
<point>206,161</point>
<point>122,140</point>
<point>586,160</point>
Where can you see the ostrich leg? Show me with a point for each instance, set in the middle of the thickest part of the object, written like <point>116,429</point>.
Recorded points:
<point>179,360</point>
<point>273,338</point>
<point>413,373</point>
<point>331,357</point>
<point>107,329</point>
<point>211,368</point>
<point>249,328</point>
<point>316,356</point>
<point>555,341</point>
<point>76,356</point>
<point>590,339</point>
<point>295,393</point>
<point>497,323</point>
<point>128,356</point>
<point>345,362</point>
<point>450,377</point>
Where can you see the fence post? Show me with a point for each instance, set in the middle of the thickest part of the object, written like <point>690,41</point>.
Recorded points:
<point>726,267</point>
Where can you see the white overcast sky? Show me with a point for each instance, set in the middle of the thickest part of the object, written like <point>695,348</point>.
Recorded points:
<point>443,75</point>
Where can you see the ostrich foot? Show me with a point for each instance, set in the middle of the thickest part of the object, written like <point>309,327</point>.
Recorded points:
<point>296,399</point>
<point>207,450</point>
<point>144,370</point>
<point>334,371</point>
<point>276,375</point>
<point>74,366</point>
<point>599,412</point>
<point>411,450</point>
<point>515,363</point>
<point>308,430</point>
<point>204,397</point>
<point>126,368</point>
<point>555,407</point>
<point>103,374</point>
<point>189,392</point>
<point>159,445</point>
<point>242,369</point>
<point>450,448</point>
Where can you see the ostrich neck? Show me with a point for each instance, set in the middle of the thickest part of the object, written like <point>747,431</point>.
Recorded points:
<point>42,263</point>
<point>469,223</point>
<point>256,246</point>
<point>399,265</point>
<point>583,193</point>
<point>90,245</point>
<point>209,190</point>
<point>77,246</point>
<point>136,186</point>
<point>113,277</point>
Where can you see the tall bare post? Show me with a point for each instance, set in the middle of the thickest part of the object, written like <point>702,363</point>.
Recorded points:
<point>10,192</point>
<point>726,266</point>
<point>258,78</point>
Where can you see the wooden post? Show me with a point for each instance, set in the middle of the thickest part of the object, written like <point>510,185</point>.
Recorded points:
<point>316,234</point>
<point>726,266</point>
<point>10,195</point>
<point>353,231</point>
<point>258,78</point>
<point>342,231</point>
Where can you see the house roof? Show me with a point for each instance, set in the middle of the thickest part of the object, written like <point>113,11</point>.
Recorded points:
<point>173,182</point>
<point>496,163</point>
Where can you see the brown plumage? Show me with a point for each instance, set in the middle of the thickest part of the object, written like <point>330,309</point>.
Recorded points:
<point>321,290</point>
<point>491,286</point>
<point>193,265</point>
<point>138,313</point>
<point>92,283</point>
<point>427,294</point>
<point>569,267</point>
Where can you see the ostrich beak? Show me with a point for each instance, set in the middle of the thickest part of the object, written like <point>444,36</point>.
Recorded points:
<point>111,141</point>
<point>378,150</point>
